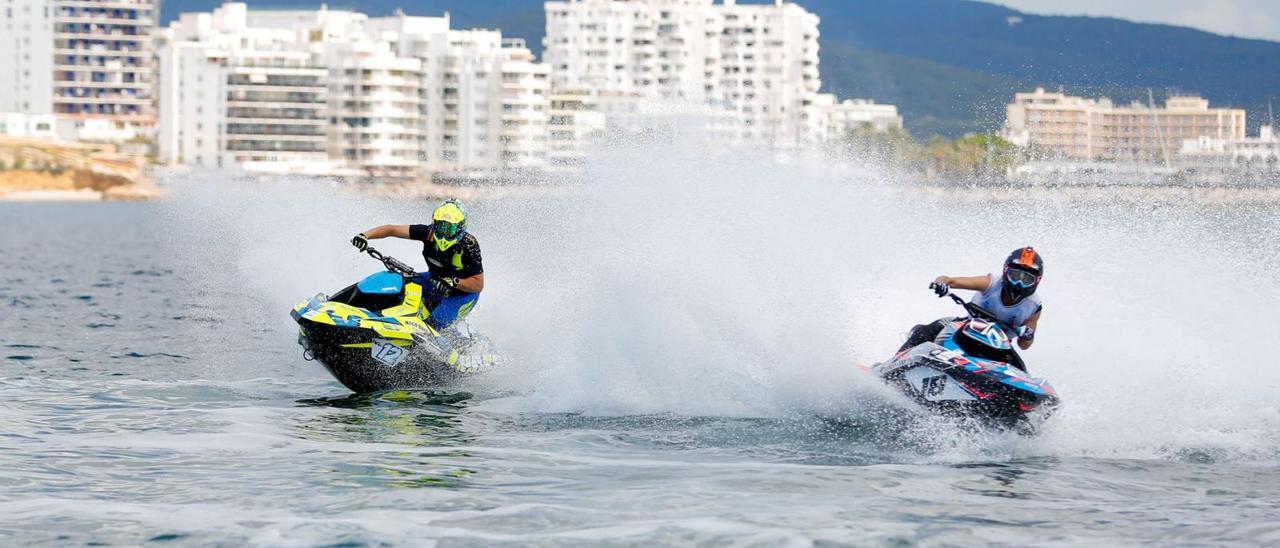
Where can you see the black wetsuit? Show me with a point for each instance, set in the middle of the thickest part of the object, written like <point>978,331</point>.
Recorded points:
<point>462,260</point>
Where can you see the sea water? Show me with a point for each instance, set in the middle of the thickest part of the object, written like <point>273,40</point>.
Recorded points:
<point>681,341</point>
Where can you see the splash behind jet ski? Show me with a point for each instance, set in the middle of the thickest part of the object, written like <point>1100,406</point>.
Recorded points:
<point>374,336</point>
<point>968,370</point>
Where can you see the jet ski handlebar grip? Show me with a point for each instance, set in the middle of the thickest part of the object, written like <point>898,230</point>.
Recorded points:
<point>390,263</point>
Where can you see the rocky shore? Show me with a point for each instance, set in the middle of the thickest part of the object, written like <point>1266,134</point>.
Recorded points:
<point>39,170</point>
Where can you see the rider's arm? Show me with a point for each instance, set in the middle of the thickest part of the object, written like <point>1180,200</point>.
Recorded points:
<point>387,231</point>
<point>1031,322</point>
<point>474,284</point>
<point>972,283</point>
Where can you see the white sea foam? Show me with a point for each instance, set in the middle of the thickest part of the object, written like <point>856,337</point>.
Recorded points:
<point>676,282</point>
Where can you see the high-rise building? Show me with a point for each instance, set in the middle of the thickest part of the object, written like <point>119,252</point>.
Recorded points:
<point>244,91</point>
<point>375,109</point>
<point>484,98</point>
<point>653,48</point>
<point>338,92</point>
<point>26,57</point>
<point>769,64</point>
<point>759,61</point>
<point>103,72</point>
<point>575,119</point>
<point>1096,129</point>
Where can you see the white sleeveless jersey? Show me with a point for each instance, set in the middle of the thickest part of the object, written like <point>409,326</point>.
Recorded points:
<point>1011,316</point>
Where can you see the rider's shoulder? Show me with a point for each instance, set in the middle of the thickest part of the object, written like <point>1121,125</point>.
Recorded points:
<point>1035,299</point>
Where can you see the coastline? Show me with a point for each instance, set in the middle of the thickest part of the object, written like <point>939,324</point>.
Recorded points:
<point>36,170</point>
<point>1150,194</point>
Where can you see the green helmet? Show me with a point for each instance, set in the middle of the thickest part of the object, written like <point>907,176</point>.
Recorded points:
<point>448,224</point>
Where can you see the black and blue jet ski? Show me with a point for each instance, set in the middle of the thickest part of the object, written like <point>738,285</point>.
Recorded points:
<point>375,335</point>
<point>971,370</point>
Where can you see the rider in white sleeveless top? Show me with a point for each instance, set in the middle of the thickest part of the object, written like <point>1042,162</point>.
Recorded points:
<point>1011,297</point>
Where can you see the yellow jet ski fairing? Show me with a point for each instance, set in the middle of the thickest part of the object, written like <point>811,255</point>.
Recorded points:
<point>373,335</point>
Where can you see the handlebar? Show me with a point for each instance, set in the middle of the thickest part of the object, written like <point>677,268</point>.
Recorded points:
<point>974,310</point>
<point>391,263</point>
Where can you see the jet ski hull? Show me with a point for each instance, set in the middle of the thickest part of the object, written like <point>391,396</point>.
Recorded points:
<point>349,355</point>
<point>944,389</point>
<point>392,349</point>
<point>944,379</point>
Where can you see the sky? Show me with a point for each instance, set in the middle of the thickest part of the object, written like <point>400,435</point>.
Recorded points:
<point>1245,18</point>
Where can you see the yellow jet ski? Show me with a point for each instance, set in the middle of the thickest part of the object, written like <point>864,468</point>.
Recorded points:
<point>374,336</point>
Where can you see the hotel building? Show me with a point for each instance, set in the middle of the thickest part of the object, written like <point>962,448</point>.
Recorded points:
<point>1096,129</point>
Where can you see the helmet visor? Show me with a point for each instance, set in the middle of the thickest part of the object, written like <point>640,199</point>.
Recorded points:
<point>1018,277</point>
<point>446,230</point>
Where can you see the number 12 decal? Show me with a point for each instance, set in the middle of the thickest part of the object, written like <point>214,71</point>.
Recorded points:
<point>387,353</point>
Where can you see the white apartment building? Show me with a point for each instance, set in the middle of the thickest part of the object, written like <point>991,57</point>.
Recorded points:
<point>838,118</point>
<point>759,61</point>
<point>338,92</point>
<point>769,62</point>
<point>239,90</point>
<point>103,72</point>
<point>574,122</point>
<point>375,107</point>
<point>484,99</point>
<point>1096,129</point>
<point>666,49</point>
<point>26,57</point>
<point>524,90</point>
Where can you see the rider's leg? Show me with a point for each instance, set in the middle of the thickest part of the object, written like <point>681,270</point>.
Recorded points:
<point>452,309</point>
<point>923,333</point>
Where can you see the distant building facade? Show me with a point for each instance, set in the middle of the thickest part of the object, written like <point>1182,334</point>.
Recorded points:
<point>331,91</point>
<point>1095,129</point>
<point>838,119</point>
<point>1246,156</point>
<point>26,57</point>
<point>35,126</point>
<point>662,49</point>
<point>757,61</point>
<point>241,91</point>
<point>575,121</point>
<point>103,68</point>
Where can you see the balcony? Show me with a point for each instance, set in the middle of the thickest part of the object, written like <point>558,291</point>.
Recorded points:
<point>117,38</point>
<point>143,5</point>
<point>104,100</point>
<point>246,103</point>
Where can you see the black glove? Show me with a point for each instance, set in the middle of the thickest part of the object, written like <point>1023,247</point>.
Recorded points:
<point>360,241</point>
<point>445,285</point>
<point>941,289</point>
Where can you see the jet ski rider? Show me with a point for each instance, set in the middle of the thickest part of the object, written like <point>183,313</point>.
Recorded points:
<point>455,274</point>
<point>1011,297</point>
